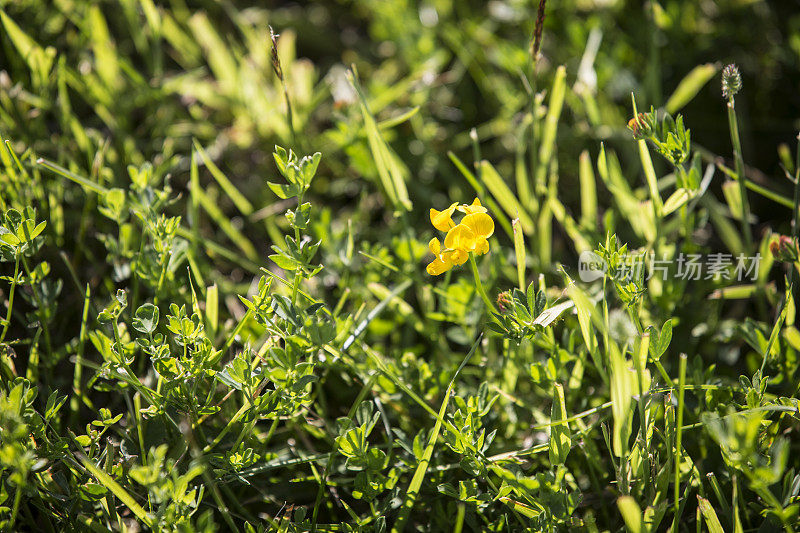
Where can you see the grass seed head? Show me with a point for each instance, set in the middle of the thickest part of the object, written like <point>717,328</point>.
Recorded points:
<point>731,81</point>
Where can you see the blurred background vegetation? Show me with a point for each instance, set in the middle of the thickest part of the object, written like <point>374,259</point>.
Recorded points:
<point>140,80</point>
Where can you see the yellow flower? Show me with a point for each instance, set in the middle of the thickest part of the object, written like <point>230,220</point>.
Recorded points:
<point>459,240</point>
<point>442,220</point>
<point>481,226</point>
<point>470,236</point>
<point>474,207</point>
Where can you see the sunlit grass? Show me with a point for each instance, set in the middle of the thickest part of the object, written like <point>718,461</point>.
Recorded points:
<point>229,300</point>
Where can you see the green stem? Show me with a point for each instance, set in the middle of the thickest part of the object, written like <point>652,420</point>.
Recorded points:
<point>136,382</point>
<point>639,362</point>
<point>271,432</point>
<point>737,154</point>
<point>233,334</point>
<point>11,298</point>
<point>795,208</point>
<point>298,270</point>
<point>679,434</point>
<point>39,305</point>
<point>289,113</point>
<point>78,371</point>
<point>653,68</point>
<point>489,306</point>
<point>15,509</point>
<point>295,285</point>
<point>161,277</point>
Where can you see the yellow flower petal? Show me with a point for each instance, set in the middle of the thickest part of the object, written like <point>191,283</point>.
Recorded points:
<point>481,245</point>
<point>460,237</point>
<point>480,224</point>
<point>459,257</point>
<point>434,246</point>
<point>475,207</point>
<point>442,220</point>
<point>438,266</point>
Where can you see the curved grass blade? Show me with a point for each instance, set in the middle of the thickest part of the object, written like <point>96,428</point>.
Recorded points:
<point>109,483</point>
<point>374,313</point>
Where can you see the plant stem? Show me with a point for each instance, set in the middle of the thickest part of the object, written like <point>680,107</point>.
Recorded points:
<point>737,154</point>
<point>639,362</point>
<point>15,509</point>
<point>164,262</point>
<point>478,285</point>
<point>678,435</point>
<point>297,271</point>
<point>11,298</point>
<point>795,208</point>
<point>39,305</point>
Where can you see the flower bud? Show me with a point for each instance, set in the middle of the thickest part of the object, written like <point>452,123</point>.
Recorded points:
<point>640,126</point>
<point>504,301</point>
<point>784,248</point>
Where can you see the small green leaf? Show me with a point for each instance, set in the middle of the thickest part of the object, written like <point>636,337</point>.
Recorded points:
<point>560,436</point>
<point>283,190</point>
<point>146,318</point>
<point>54,403</point>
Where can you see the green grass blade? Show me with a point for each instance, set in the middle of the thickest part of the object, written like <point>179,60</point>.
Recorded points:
<point>399,119</point>
<point>588,192</point>
<point>555,104</point>
<point>519,252</point>
<point>241,203</point>
<point>710,515</point>
<point>224,223</point>
<point>390,171</point>
<point>560,436</point>
<point>117,490</point>
<point>690,85</point>
<point>631,513</point>
<point>61,171</point>
<point>497,186</point>
<point>107,62</point>
<point>374,313</point>
<point>502,219</point>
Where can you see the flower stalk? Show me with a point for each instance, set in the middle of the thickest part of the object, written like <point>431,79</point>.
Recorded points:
<point>731,84</point>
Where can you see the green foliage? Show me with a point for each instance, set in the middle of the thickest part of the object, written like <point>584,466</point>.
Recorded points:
<point>214,311</point>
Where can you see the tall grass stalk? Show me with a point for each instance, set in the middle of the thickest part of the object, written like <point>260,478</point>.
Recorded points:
<point>678,438</point>
<point>731,82</point>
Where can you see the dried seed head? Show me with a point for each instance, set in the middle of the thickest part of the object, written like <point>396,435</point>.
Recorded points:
<point>731,81</point>
<point>536,42</point>
<point>276,62</point>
